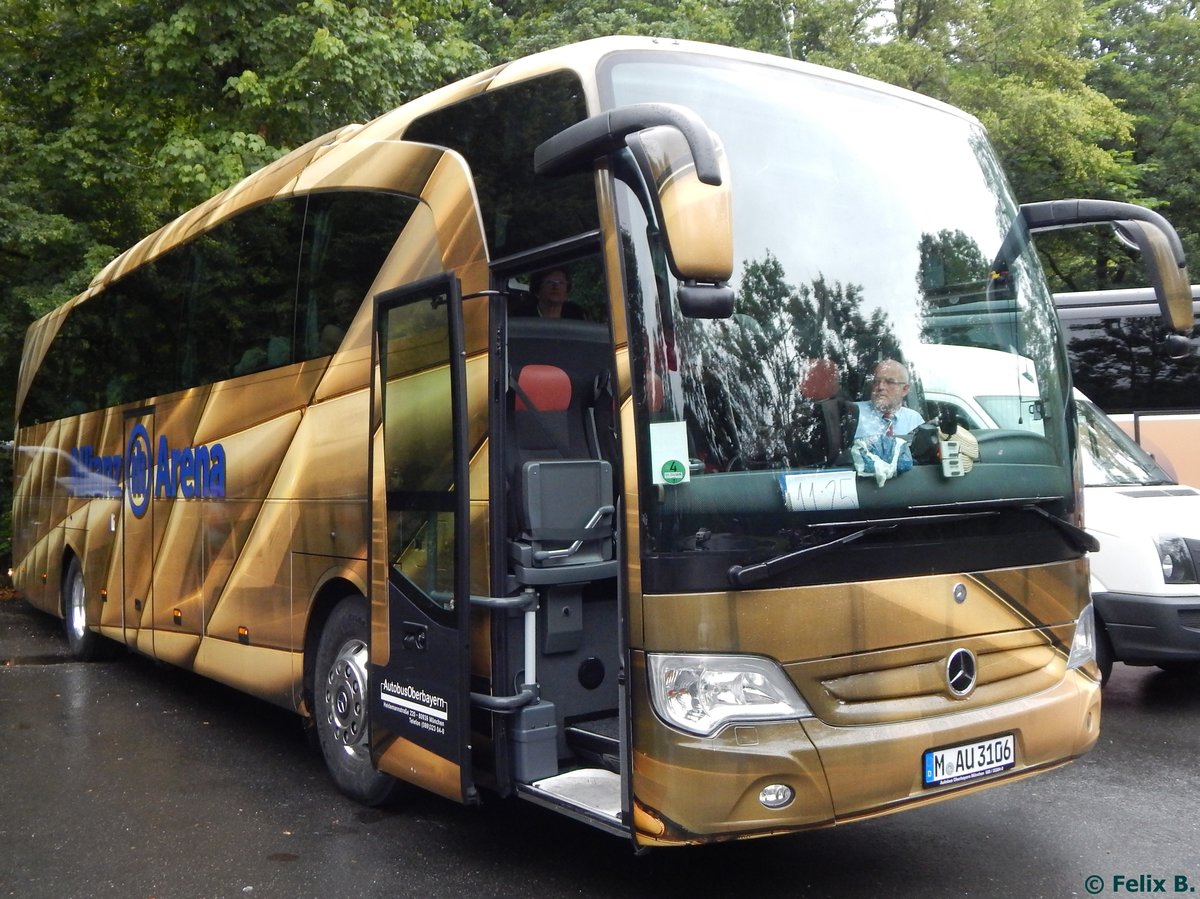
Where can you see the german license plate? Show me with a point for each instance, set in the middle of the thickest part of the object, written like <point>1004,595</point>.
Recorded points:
<point>969,761</point>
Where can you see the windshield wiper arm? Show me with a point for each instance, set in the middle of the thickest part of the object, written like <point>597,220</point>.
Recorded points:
<point>745,575</point>
<point>1077,537</point>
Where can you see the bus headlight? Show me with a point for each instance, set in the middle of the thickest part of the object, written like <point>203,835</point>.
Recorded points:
<point>1176,559</point>
<point>702,693</point>
<point>1083,646</point>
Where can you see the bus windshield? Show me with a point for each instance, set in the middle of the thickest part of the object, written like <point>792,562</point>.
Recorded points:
<point>869,225</point>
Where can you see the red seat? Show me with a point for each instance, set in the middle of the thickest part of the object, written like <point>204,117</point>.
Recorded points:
<point>547,386</point>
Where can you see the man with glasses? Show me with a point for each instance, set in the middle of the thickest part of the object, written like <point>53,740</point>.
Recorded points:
<point>548,297</point>
<point>885,413</point>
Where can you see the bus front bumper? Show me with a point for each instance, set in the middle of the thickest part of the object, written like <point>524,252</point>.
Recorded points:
<point>691,789</point>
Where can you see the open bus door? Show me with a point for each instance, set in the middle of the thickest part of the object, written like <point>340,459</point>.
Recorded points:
<point>419,512</point>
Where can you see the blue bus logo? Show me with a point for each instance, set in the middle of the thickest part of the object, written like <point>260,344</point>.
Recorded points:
<point>194,472</point>
<point>137,470</point>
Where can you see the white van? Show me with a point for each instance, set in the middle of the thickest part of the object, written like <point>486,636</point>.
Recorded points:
<point>1145,586</point>
<point>1144,578</point>
<point>982,388</point>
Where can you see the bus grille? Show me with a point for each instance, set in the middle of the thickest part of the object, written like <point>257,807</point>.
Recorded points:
<point>910,683</point>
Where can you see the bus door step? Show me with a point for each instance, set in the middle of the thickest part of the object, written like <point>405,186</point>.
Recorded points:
<point>592,795</point>
<point>596,742</point>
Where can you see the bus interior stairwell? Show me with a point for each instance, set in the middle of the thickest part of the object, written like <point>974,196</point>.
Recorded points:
<point>565,747</point>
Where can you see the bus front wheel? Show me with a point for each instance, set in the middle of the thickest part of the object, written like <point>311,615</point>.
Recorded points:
<point>85,644</point>
<point>341,704</point>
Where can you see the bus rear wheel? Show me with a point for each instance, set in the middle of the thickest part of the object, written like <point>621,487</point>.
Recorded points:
<point>341,705</point>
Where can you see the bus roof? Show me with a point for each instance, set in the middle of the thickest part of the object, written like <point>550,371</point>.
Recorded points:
<point>279,178</point>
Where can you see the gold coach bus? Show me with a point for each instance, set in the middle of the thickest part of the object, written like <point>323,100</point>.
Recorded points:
<point>322,438</point>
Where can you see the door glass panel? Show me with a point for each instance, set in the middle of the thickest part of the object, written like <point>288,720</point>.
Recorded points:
<point>418,440</point>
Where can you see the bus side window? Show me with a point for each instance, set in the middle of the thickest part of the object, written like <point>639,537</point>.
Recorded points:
<point>243,291</point>
<point>347,238</point>
<point>1121,365</point>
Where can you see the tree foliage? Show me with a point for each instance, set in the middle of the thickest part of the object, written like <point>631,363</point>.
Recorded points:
<point>116,115</point>
<point>1145,58</point>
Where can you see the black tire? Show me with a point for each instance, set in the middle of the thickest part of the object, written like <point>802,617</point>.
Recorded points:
<point>85,644</point>
<point>341,705</point>
<point>1104,651</point>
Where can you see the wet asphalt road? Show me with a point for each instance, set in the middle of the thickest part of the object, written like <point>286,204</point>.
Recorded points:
<point>130,779</point>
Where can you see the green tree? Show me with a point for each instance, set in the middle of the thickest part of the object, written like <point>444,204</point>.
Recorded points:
<point>119,114</point>
<point>1145,59</point>
<point>538,25</point>
<point>116,115</point>
<point>827,32</point>
<point>1017,66</point>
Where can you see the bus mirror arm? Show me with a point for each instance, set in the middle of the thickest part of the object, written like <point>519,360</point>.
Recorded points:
<point>575,148</point>
<point>1136,226</point>
<point>1171,283</point>
<point>1053,215</point>
<point>682,173</point>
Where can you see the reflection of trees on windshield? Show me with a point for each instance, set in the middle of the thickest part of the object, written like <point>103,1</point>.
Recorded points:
<point>953,281</point>
<point>743,377</point>
<point>971,299</point>
<point>953,267</point>
<point>993,175</point>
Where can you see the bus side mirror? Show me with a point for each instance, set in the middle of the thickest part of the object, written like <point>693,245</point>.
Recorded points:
<point>683,164</point>
<point>1171,283</point>
<point>1176,346</point>
<point>1136,226</point>
<point>696,218</point>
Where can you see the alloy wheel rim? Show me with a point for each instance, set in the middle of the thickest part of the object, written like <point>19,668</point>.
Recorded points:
<point>346,697</point>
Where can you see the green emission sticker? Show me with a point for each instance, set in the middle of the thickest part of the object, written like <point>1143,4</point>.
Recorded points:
<point>673,471</point>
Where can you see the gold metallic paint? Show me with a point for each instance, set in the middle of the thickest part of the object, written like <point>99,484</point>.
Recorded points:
<point>296,445</point>
<point>869,659</point>
<point>797,623</point>
<point>840,773</point>
<point>410,762</point>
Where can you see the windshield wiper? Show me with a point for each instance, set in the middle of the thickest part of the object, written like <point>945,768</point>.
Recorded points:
<point>1077,537</point>
<point>745,575</point>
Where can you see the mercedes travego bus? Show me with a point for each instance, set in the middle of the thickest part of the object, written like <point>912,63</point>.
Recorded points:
<point>520,440</point>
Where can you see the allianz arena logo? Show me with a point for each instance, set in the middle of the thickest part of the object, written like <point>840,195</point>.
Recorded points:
<point>166,472</point>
